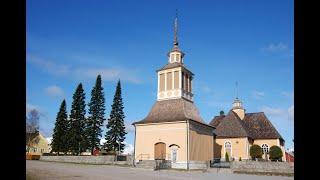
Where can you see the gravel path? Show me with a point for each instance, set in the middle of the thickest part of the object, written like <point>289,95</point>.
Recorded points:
<point>67,171</point>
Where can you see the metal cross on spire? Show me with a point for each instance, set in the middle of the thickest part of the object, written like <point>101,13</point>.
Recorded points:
<point>175,42</point>
<point>237,93</point>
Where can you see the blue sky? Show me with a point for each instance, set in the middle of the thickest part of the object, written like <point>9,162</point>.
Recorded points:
<point>248,41</point>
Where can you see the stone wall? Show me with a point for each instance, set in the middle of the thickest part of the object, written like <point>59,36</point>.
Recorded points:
<point>265,167</point>
<point>199,165</point>
<point>109,159</point>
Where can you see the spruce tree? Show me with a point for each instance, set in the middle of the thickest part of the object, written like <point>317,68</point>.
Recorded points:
<point>77,139</point>
<point>96,117</point>
<point>59,139</point>
<point>115,127</point>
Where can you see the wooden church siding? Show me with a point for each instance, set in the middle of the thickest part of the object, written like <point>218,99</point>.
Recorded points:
<point>201,142</point>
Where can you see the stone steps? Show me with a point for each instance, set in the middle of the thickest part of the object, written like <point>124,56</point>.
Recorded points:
<point>146,164</point>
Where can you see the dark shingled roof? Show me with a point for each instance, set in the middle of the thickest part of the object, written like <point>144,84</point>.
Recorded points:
<point>174,65</point>
<point>254,125</point>
<point>172,110</point>
<point>230,126</point>
<point>259,126</point>
<point>216,120</point>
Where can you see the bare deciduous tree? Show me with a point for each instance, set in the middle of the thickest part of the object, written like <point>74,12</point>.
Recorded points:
<point>32,127</point>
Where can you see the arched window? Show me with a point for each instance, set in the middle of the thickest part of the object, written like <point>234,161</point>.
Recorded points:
<point>227,145</point>
<point>227,148</point>
<point>265,148</point>
<point>174,152</point>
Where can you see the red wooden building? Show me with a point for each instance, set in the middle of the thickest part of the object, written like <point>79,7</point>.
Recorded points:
<point>289,157</point>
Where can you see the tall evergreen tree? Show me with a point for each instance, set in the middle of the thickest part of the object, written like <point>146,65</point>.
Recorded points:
<point>77,139</point>
<point>59,139</point>
<point>96,117</point>
<point>115,135</point>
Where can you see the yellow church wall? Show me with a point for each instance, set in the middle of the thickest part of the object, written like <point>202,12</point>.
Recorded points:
<point>201,142</point>
<point>271,142</point>
<point>147,135</point>
<point>239,148</point>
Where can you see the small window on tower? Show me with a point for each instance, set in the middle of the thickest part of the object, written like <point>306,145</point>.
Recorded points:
<point>171,57</point>
<point>161,88</point>
<point>187,82</point>
<point>177,58</point>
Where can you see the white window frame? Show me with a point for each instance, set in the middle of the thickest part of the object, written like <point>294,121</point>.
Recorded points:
<point>224,147</point>
<point>263,146</point>
<point>174,147</point>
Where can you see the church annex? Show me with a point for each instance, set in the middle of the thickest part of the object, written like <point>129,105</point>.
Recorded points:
<point>237,131</point>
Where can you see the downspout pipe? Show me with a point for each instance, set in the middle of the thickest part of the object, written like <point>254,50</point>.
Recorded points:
<point>134,149</point>
<point>188,144</point>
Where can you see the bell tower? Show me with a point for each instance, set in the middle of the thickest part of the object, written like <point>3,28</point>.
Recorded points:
<point>237,105</point>
<point>174,79</point>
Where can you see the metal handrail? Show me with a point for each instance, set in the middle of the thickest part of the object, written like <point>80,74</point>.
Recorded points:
<point>167,156</point>
<point>141,156</point>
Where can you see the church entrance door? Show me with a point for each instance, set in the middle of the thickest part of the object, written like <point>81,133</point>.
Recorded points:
<point>160,150</point>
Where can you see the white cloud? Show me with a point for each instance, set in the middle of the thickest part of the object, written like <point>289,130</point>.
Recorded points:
<point>206,89</point>
<point>281,113</point>
<point>280,47</point>
<point>291,113</point>
<point>291,149</point>
<point>54,91</point>
<point>102,141</point>
<point>129,127</point>
<point>128,149</point>
<point>49,139</point>
<point>288,94</point>
<point>273,111</point>
<point>107,73</point>
<point>258,94</point>
<point>48,66</point>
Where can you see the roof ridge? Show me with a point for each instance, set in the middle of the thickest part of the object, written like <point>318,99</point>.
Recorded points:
<point>241,123</point>
<point>269,122</point>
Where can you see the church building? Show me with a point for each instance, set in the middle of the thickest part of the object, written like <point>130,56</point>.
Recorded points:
<point>237,131</point>
<point>174,130</point>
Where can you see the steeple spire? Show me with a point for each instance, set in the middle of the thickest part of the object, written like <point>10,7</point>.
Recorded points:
<point>175,41</point>
<point>175,54</point>
<point>237,90</point>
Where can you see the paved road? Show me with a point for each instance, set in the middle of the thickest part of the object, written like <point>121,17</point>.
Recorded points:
<point>52,170</point>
